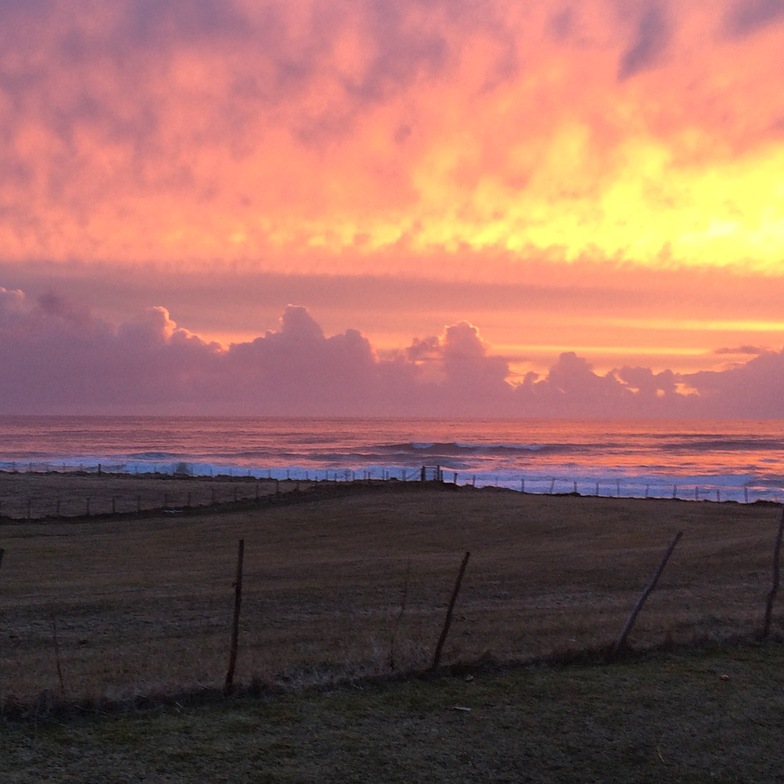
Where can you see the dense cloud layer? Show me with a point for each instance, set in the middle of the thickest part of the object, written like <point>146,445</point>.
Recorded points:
<point>59,359</point>
<point>196,129</point>
<point>601,175</point>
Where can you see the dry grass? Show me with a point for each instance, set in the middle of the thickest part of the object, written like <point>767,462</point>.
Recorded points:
<point>32,496</point>
<point>144,605</point>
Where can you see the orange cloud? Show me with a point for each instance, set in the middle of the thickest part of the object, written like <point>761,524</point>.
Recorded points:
<point>598,177</point>
<point>203,131</point>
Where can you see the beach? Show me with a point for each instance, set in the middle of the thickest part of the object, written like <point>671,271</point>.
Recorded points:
<point>349,580</point>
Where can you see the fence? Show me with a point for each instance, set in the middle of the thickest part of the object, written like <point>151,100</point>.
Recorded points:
<point>149,610</point>
<point>187,489</point>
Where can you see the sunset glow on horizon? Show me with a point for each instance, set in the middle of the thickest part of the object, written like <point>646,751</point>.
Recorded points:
<point>600,177</point>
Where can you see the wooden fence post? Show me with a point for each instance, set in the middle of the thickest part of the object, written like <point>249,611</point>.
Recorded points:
<point>450,609</point>
<point>57,660</point>
<point>235,628</point>
<point>2,553</point>
<point>627,627</point>
<point>399,618</point>
<point>776,575</point>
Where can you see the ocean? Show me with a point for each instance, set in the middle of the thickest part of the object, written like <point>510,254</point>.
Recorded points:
<point>700,460</point>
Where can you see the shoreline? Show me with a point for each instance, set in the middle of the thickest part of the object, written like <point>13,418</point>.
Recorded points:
<point>15,483</point>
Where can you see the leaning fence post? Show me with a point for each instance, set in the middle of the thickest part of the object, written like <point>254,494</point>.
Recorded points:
<point>235,628</point>
<point>776,575</point>
<point>450,609</point>
<point>621,639</point>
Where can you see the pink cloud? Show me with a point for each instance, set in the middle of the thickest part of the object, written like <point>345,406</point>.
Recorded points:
<point>57,358</point>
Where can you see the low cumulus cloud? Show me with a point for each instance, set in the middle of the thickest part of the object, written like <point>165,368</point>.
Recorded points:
<point>59,358</point>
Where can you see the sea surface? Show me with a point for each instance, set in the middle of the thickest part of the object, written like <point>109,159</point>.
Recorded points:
<point>699,460</point>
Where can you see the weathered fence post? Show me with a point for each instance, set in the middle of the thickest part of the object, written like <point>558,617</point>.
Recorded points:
<point>235,627</point>
<point>449,611</point>
<point>627,627</point>
<point>399,619</point>
<point>58,663</point>
<point>776,576</point>
<point>2,553</point>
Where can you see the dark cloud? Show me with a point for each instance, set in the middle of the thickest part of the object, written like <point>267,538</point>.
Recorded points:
<point>58,358</point>
<point>751,390</point>
<point>562,24</point>
<point>154,24</point>
<point>749,16</point>
<point>741,350</point>
<point>651,39</point>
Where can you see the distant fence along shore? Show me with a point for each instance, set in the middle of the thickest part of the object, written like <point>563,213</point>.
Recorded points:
<point>619,487</point>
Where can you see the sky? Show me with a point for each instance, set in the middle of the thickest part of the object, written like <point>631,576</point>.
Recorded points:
<point>418,207</point>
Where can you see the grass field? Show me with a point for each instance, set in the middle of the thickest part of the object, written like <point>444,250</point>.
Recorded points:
<point>696,718</point>
<point>136,611</point>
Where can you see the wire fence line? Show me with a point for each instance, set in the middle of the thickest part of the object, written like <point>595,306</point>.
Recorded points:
<point>195,487</point>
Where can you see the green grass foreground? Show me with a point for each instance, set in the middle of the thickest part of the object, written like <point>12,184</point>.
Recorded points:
<point>688,717</point>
